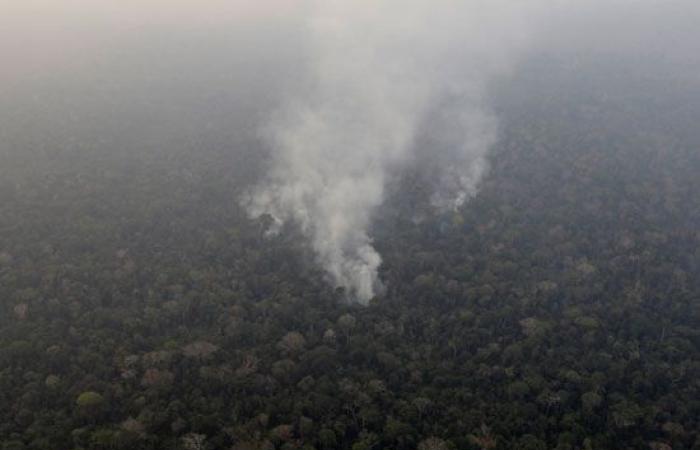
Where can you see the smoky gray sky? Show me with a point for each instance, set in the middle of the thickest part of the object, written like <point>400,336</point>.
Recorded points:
<point>47,40</point>
<point>45,35</point>
<point>246,47</point>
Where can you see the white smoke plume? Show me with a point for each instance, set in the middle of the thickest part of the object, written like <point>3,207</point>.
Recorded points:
<point>390,82</point>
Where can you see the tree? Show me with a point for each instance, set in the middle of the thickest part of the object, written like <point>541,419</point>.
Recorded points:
<point>199,349</point>
<point>433,443</point>
<point>292,343</point>
<point>194,441</point>
<point>90,404</point>
<point>327,439</point>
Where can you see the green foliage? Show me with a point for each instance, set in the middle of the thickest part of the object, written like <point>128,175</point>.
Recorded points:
<point>90,400</point>
<point>141,308</point>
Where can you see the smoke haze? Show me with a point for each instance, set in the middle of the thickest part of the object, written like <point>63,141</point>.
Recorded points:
<point>344,94</point>
<point>391,82</point>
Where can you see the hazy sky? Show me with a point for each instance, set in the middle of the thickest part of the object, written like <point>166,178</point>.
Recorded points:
<point>40,38</point>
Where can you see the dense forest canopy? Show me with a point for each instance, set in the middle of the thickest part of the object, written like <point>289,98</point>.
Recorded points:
<point>142,307</point>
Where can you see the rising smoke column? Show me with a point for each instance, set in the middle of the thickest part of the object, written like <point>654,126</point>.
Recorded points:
<point>391,82</point>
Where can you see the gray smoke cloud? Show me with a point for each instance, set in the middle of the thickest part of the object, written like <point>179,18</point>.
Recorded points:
<point>390,82</point>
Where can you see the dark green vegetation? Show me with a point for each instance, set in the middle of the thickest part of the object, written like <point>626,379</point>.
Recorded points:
<point>141,308</point>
